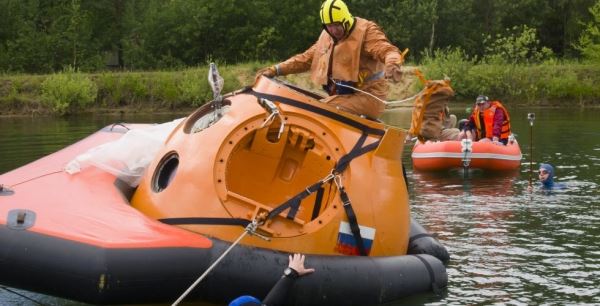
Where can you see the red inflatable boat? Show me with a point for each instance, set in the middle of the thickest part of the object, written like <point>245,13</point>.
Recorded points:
<point>443,155</point>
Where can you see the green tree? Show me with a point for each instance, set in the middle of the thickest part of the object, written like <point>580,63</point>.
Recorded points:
<point>589,41</point>
<point>518,45</point>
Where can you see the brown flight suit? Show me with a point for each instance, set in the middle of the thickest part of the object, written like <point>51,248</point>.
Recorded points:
<point>359,58</point>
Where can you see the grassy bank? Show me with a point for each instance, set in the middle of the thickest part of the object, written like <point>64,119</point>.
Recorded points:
<point>70,92</point>
<point>548,83</point>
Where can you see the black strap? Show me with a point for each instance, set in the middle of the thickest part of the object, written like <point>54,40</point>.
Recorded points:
<point>294,202</point>
<point>205,220</point>
<point>353,222</point>
<point>342,164</point>
<point>293,209</point>
<point>321,111</point>
<point>405,177</point>
<point>296,199</point>
<point>434,287</point>
<point>318,202</point>
<point>419,236</point>
<point>356,151</point>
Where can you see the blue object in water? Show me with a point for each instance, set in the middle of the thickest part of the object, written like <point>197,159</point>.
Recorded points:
<point>245,300</point>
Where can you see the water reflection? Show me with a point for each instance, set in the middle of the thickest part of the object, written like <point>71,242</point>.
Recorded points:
<point>25,139</point>
<point>510,246</point>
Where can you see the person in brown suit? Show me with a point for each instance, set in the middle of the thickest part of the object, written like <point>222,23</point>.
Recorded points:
<point>351,53</point>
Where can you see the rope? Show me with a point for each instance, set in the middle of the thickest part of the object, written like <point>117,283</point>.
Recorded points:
<point>35,178</point>
<point>373,96</point>
<point>407,99</point>
<point>250,229</point>
<point>119,124</point>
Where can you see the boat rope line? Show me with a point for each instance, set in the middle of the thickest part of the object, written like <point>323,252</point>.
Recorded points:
<point>35,178</point>
<point>472,155</point>
<point>119,124</point>
<point>315,109</point>
<point>434,287</point>
<point>250,229</point>
<point>375,97</point>
<point>23,296</point>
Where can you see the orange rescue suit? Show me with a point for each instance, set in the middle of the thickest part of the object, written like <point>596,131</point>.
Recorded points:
<point>488,119</point>
<point>358,58</point>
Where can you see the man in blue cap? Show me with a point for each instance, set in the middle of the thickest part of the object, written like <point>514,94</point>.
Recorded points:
<point>546,176</point>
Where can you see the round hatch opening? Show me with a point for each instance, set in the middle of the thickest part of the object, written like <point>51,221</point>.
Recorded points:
<point>165,172</point>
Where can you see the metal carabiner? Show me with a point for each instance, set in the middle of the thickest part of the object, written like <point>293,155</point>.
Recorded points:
<point>273,112</point>
<point>338,181</point>
<point>328,178</point>
<point>252,227</point>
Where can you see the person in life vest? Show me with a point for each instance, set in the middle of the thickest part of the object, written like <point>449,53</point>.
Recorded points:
<point>351,52</point>
<point>488,122</point>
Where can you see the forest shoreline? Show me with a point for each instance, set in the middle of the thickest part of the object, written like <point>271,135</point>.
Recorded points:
<point>115,92</point>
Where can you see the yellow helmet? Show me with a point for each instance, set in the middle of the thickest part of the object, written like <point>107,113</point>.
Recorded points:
<point>336,11</point>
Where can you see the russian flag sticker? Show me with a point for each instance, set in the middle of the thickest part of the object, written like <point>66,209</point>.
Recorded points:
<point>346,244</point>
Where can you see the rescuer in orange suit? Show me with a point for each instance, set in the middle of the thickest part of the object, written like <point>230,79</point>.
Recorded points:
<point>351,52</point>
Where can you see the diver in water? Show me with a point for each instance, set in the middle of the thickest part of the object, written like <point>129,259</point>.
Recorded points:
<point>279,292</point>
<point>546,176</point>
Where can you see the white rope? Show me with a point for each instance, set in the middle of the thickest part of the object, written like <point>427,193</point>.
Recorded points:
<point>407,99</point>
<point>367,93</point>
<point>249,229</point>
<point>356,89</point>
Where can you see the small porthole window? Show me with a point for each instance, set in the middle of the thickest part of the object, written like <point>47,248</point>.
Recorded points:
<point>165,172</point>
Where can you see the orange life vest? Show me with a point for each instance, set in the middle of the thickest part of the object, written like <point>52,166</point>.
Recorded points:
<point>488,120</point>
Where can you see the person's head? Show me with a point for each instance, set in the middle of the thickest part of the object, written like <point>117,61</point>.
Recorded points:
<point>245,300</point>
<point>336,18</point>
<point>483,102</point>
<point>546,175</point>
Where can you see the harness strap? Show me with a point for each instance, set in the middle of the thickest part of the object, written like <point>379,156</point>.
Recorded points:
<point>353,222</point>
<point>318,202</point>
<point>356,151</point>
<point>294,202</point>
<point>318,110</point>
<point>293,209</point>
<point>206,220</point>
<point>419,236</point>
<point>296,199</point>
<point>434,287</point>
<point>342,164</point>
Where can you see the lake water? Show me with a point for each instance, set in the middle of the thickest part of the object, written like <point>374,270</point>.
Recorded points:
<point>507,245</point>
